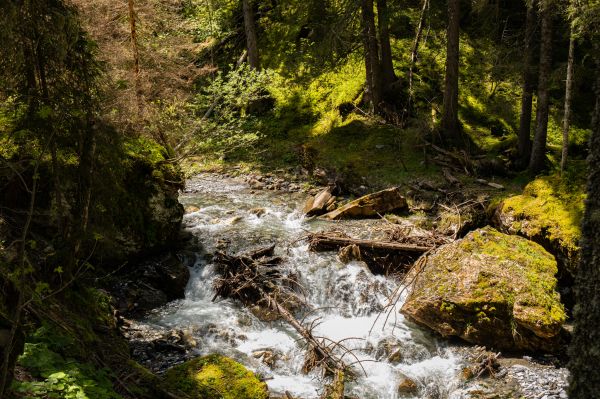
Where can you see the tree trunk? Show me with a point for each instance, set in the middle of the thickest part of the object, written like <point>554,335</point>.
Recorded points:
<point>415,48</point>
<point>568,95</point>
<point>450,116</point>
<point>524,144</point>
<point>373,66</point>
<point>251,41</point>
<point>585,346</point>
<point>136,58</point>
<point>538,150</point>
<point>387,66</point>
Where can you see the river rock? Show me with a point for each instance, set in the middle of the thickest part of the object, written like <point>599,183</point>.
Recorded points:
<point>489,289</point>
<point>317,205</point>
<point>258,212</point>
<point>371,205</point>
<point>407,388</point>
<point>349,253</point>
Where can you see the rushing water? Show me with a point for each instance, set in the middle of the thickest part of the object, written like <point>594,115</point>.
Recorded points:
<point>346,299</point>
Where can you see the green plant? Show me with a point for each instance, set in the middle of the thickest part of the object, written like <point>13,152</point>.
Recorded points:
<point>56,377</point>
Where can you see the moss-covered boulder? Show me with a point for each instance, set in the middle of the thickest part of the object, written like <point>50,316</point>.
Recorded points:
<point>490,289</point>
<point>215,377</point>
<point>548,212</point>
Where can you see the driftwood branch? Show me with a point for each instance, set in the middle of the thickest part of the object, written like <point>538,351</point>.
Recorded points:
<point>327,242</point>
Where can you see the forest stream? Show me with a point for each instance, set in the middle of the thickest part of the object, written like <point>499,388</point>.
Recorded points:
<point>347,298</point>
<point>344,302</point>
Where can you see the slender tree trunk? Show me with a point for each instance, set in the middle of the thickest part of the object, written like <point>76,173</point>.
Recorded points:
<point>415,48</point>
<point>387,66</point>
<point>524,143</point>
<point>585,346</point>
<point>136,57</point>
<point>568,95</point>
<point>250,28</point>
<point>538,150</point>
<point>450,116</point>
<point>371,55</point>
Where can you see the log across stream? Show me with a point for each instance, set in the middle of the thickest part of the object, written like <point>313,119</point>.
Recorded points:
<point>342,302</point>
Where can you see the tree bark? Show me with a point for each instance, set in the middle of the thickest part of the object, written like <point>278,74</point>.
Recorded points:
<point>585,346</point>
<point>568,95</point>
<point>450,114</point>
<point>524,143</point>
<point>415,48</point>
<point>136,58</point>
<point>387,66</point>
<point>373,65</point>
<point>251,41</point>
<point>538,150</point>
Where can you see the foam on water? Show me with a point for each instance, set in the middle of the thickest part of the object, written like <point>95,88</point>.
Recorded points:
<point>346,301</point>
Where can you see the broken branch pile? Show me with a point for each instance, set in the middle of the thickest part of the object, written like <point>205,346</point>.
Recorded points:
<point>254,279</point>
<point>462,162</point>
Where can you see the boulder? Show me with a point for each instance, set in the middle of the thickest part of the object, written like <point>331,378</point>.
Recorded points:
<point>318,204</point>
<point>215,376</point>
<point>489,289</point>
<point>371,205</point>
<point>548,214</point>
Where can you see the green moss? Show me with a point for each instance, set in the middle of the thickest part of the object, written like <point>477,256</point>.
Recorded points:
<point>214,377</point>
<point>550,206</point>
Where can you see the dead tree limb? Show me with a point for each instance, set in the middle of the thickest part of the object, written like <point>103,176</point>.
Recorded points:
<point>327,242</point>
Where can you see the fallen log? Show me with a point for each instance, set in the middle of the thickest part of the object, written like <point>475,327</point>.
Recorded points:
<point>382,257</point>
<point>326,242</point>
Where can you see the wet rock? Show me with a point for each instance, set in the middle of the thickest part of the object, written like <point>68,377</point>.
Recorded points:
<point>349,253</point>
<point>158,348</point>
<point>234,220</point>
<point>317,205</point>
<point>371,205</point>
<point>215,376</point>
<point>267,356</point>
<point>258,212</point>
<point>256,185</point>
<point>407,388</point>
<point>191,209</point>
<point>491,289</point>
<point>395,351</point>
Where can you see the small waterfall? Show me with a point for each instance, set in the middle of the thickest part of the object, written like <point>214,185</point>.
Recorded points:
<point>345,301</point>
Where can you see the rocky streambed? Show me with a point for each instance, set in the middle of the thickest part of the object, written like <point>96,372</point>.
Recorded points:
<point>394,356</point>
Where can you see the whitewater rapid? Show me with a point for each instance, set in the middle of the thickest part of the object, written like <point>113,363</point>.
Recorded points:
<point>345,301</point>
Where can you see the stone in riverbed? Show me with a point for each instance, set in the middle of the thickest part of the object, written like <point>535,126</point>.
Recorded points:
<point>371,205</point>
<point>407,388</point>
<point>489,289</point>
<point>317,205</point>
